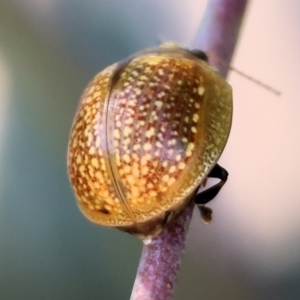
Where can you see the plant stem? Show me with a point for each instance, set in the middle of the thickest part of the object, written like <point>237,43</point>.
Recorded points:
<point>219,30</point>
<point>160,260</point>
<point>159,264</point>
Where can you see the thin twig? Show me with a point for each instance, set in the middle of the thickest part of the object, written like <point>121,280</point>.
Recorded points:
<point>160,260</point>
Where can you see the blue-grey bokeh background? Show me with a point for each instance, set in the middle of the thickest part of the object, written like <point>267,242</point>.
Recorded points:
<point>49,50</point>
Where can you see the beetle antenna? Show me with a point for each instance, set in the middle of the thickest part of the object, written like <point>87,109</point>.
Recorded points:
<point>262,84</point>
<point>265,86</point>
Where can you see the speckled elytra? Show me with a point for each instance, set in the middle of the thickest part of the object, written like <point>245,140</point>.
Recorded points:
<point>148,131</point>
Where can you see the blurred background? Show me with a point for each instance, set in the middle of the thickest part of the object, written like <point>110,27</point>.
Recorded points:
<point>49,50</point>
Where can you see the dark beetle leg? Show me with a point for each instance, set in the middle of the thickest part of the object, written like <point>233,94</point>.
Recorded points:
<point>207,195</point>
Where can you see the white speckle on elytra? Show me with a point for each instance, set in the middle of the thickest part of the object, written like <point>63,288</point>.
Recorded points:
<point>201,90</point>
<point>149,133</point>
<point>160,72</point>
<point>181,165</point>
<point>117,134</point>
<point>184,140</point>
<point>178,157</point>
<point>158,144</point>
<point>127,130</point>
<point>147,147</point>
<point>158,104</point>
<point>195,117</point>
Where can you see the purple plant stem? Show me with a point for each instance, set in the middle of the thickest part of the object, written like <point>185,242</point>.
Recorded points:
<point>159,264</point>
<point>160,260</point>
<point>219,30</point>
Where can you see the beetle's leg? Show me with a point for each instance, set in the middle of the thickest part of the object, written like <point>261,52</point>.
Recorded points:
<point>207,195</point>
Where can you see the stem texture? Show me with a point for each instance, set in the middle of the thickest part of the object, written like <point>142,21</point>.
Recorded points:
<point>160,260</point>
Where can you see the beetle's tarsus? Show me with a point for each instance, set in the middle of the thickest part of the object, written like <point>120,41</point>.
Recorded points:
<point>207,195</point>
<point>206,214</point>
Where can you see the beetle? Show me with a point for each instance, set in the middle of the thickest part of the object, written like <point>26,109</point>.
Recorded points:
<point>147,133</point>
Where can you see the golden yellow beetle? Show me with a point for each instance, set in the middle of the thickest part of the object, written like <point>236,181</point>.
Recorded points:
<point>147,133</point>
